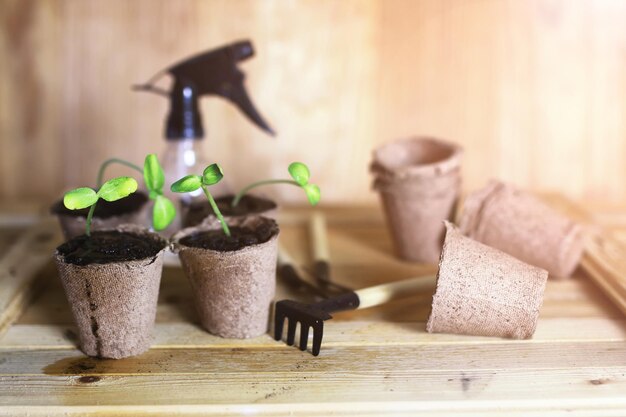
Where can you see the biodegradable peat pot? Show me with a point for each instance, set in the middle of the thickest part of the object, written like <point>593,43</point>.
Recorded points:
<point>233,279</point>
<point>113,289</point>
<point>484,292</point>
<point>519,224</point>
<point>133,209</point>
<point>418,180</point>
<point>195,212</point>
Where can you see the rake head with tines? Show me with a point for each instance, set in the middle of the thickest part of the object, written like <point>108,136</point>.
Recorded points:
<point>309,316</point>
<point>314,315</point>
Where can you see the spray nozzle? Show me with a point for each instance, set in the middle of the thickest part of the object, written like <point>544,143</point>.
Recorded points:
<point>213,72</point>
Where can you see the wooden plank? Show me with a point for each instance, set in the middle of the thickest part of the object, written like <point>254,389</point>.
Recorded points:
<point>531,89</point>
<point>571,407</point>
<point>336,333</point>
<point>333,361</point>
<point>577,297</point>
<point>442,390</point>
<point>19,267</point>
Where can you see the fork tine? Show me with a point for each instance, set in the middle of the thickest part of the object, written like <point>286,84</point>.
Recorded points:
<point>304,336</point>
<point>318,332</point>
<point>279,323</point>
<point>291,331</point>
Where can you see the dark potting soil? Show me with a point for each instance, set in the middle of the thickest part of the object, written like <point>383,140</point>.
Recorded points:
<point>105,209</point>
<point>249,204</point>
<point>240,238</point>
<point>109,247</point>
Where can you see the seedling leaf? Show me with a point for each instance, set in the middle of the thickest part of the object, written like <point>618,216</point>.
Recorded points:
<point>117,188</point>
<point>187,184</point>
<point>80,198</point>
<point>153,173</point>
<point>212,174</point>
<point>299,172</point>
<point>163,213</point>
<point>312,193</point>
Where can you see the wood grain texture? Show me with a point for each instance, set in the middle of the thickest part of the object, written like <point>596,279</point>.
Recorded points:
<point>534,90</point>
<point>377,361</point>
<point>20,267</point>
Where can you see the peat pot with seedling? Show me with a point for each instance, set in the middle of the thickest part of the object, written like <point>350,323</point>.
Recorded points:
<point>245,204</point>
<point>111,277</point>
<point>133,209</point>
<point>230,263</point>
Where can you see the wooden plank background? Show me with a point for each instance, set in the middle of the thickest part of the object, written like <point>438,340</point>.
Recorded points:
<point>534,90</point>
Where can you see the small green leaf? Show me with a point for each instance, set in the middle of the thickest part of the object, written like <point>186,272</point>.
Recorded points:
<point>299,172</point>
<point>153,173</point>
<point>212,174</point>
<point>187,184</point>
<point>312,193</point>
<point>117,188</point>
<point>163,213</point>
<point>80,198</point>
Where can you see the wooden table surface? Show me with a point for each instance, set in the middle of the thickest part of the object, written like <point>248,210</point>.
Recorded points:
<point>375,361</point>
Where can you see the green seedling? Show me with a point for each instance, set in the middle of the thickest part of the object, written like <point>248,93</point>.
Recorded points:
<point>300,175</point>
<point>210,176</point>
<point>163,211</point>
<point>84,197</point>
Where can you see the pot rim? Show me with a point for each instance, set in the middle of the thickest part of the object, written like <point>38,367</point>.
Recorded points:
<point>212,223</point>
<point>123,228</point>
<point>449,162</point>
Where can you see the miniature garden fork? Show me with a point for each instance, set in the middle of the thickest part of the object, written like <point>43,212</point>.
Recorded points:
<point>314,315</point>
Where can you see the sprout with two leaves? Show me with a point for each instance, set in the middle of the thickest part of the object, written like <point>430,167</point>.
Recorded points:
<point>163,212</point>
<point>210,176</point>
<point>84,197</point>
<point>300,175</point>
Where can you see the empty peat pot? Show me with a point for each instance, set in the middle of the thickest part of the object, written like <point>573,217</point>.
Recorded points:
<point>133,209</point>
<point>418,180</point>
<point>233,278</point>
<point>484,292</point>
<point>521,225</point>
<point>111,281</point>
<point>195,212</point>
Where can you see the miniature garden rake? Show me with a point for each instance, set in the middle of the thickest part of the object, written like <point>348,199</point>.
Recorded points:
<point>314,315</point>
<point>318,280</point>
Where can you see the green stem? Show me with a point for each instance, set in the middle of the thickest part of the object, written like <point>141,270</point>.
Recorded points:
<point>216,210</point>
<point>89,216</point>
<point>244,190</point>
<point>108,162</point>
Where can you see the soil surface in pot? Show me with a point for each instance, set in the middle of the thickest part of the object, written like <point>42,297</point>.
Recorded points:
<point>110,246</point>
<point>240,238</point>
<point>105,209</point>
<point>249,204</point>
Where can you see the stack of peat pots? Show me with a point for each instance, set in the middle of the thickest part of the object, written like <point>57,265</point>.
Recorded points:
<point>493,270</point>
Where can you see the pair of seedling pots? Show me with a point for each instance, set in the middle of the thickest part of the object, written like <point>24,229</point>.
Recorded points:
<point>112,278</point>
<point>493,268</point>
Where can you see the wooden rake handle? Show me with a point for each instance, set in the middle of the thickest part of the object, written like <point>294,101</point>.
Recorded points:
<point>380,294</point>
<point>319,246</point>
